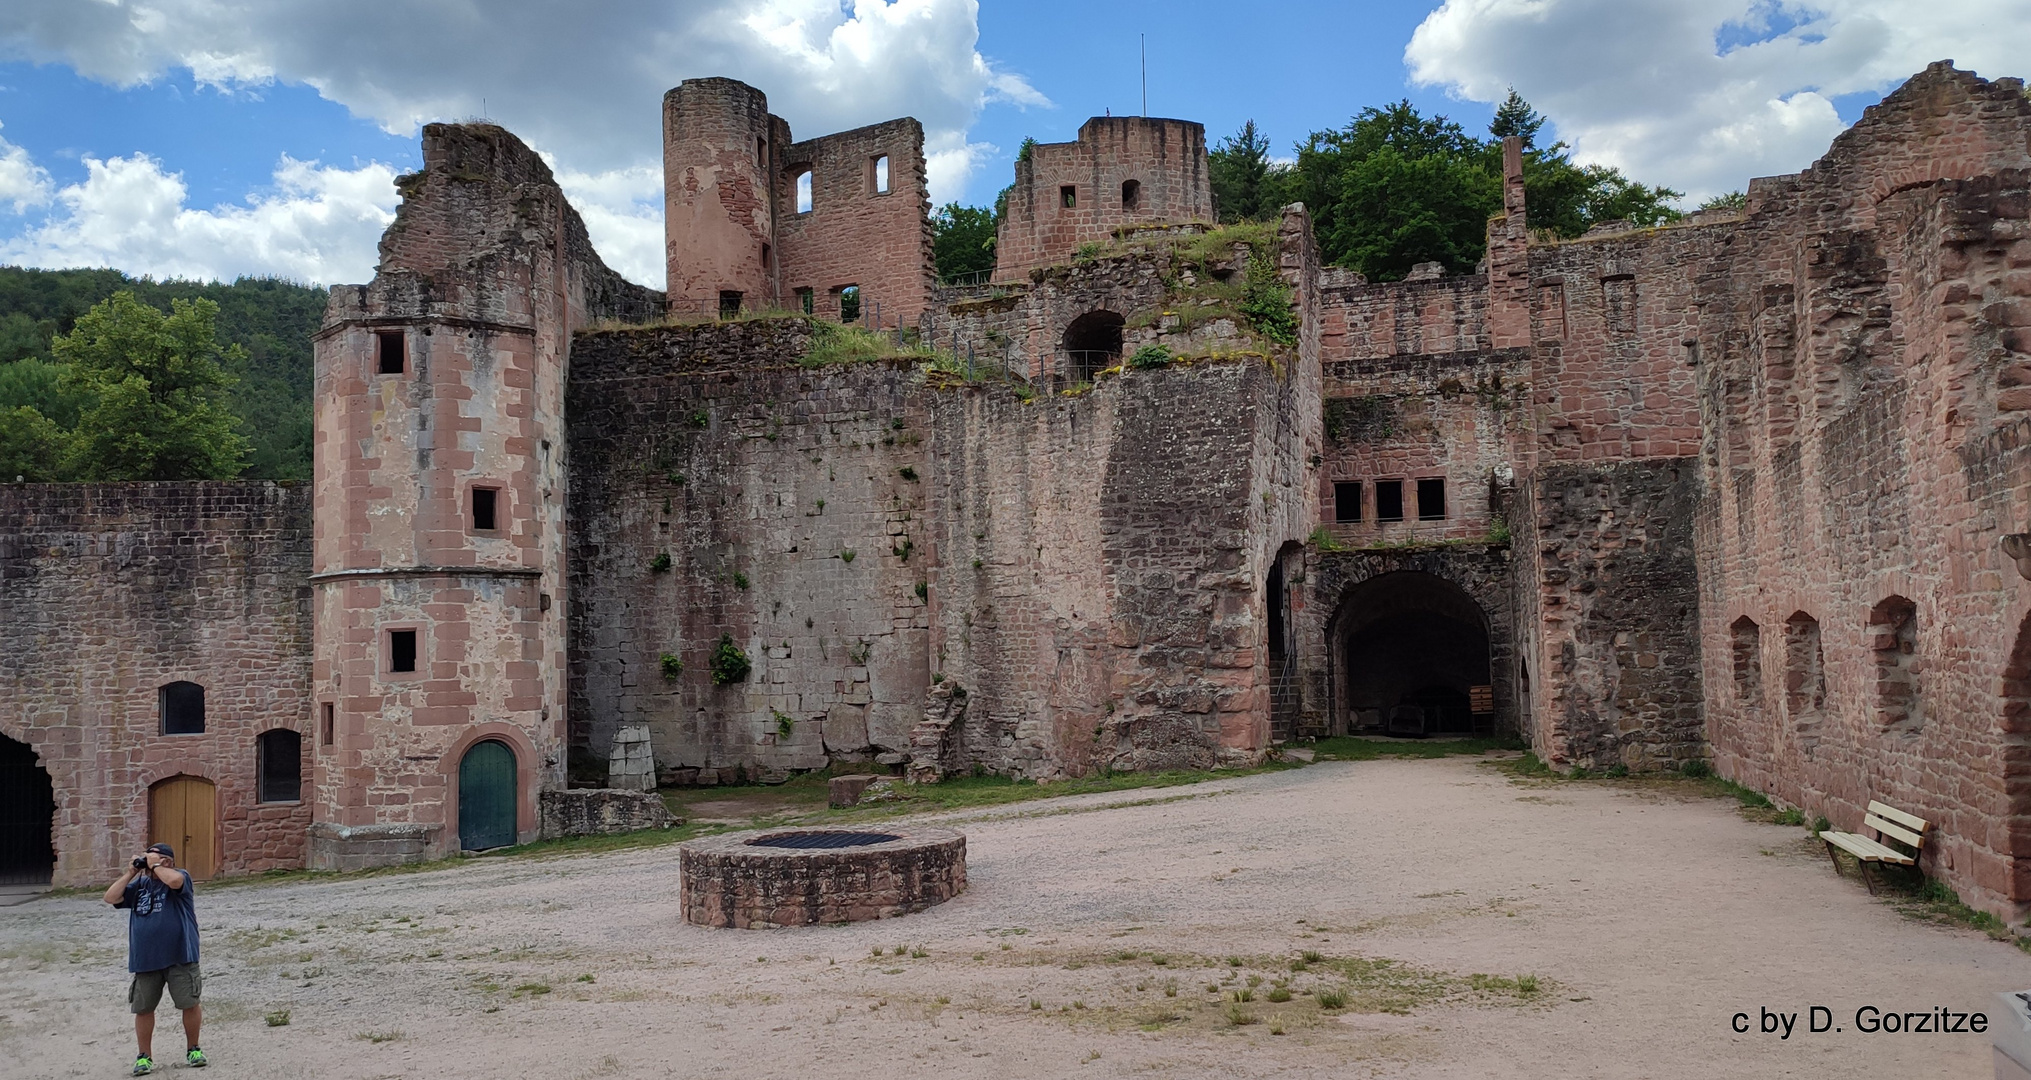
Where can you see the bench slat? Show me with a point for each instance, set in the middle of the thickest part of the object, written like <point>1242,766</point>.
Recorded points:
<point>1910,821</point>
<point>1892,830</point>
<point>1861,847</point>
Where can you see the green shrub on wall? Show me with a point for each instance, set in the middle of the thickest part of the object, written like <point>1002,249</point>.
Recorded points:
<point>729,663</point>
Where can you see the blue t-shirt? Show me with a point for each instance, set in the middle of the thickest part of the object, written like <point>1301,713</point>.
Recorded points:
<point>161,923</point>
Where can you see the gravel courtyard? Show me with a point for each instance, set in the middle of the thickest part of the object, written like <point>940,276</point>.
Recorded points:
<point>1473,926</point>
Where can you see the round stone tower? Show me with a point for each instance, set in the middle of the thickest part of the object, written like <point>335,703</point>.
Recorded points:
<point>719,218</point>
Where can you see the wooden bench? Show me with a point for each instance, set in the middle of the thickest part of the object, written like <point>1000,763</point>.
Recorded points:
<point>1889,824</point>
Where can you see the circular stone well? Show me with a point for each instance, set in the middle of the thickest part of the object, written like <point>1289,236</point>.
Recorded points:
<point>802,877</point>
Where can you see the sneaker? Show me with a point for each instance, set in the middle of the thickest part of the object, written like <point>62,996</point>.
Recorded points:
<point>195,1058</point>
<point>144,1065</point>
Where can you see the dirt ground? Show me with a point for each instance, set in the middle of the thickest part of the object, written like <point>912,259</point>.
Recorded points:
<point>1473,927</point>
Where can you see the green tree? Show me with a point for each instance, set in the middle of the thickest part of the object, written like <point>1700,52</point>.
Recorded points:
<point>155,387</point>
<point>1247,185</point>
<point>962,240</point>
<point>1515,117</point>
<point>1732,200</point>
<point>32,447</point>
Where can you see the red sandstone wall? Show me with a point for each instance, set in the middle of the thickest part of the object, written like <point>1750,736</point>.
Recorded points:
<point>719,153</point>
<point>854,235</point>
<point>1166,157</point>
<point>109,591</point>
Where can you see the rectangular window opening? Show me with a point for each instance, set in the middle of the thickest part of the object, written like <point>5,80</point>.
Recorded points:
<point>401,650</point>
<point>804,192</point>
<point>390,352</point>
<point>765,256</point>
<point>182,705</point>
<point>762,152</point>
<point>483,502</point>
<point>330,728</point>
<point>1389,500</point>
<point>807,301</point>
<point>1431,498</point>
<point>849,303</point>
<point>881,175</point>
<point>1068,196</point>
<point>278,766</point>
<point>729,304</point>
<point>1347,502</point>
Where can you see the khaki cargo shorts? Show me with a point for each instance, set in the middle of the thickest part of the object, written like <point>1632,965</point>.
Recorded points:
<point>185,984</point>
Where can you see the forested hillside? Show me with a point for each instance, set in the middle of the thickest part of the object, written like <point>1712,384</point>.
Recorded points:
<point>271,319</point>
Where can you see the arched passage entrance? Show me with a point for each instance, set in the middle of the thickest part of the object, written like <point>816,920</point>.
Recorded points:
<point>1414,652</point>
<point>1092,344</point>
<point>487,787</point>
<point>27,812</point>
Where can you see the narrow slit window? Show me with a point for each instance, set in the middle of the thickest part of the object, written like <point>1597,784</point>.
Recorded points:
<point>330,729</point>
<point>881,175</point>
<point>1131,194</point>
<point>765,256</point>
<point>1068,196</point>
<point>484,501</point>
<point>278,766</point>
<point>183,708</point>
<point>804,192</point>
<point>807,300</point>
<point>1389,500</point>
<point>390,352</point>
<point>1347,501</point>
<point>401,650</point>
<point>1431,498</point>
<point>762,152</point>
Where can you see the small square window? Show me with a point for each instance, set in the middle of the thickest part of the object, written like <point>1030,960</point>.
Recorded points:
<point>880,172</point>
<point>483,504</point>
<point>1389,500</point>
<point>390,352</point>
<point>1431,498</point>
<point>330,728</point>
<point>1347,501</point>
<point>1068,196</point>
<point>401,650</point>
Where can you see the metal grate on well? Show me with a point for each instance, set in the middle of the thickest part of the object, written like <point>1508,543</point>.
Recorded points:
<point>807,840</point>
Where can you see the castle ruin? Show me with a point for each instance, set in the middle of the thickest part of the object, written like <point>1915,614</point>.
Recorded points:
<point>1747,488</point>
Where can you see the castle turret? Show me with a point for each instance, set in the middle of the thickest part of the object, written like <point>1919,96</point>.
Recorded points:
<point>719,224</point>
<point>1123,170</point>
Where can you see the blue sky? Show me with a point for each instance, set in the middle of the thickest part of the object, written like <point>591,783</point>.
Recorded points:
<point>218,137</point>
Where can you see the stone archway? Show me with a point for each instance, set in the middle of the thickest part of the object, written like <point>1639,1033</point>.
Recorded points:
<point>1092,344</point>
<point>1415,655</point>
<point>27,816</point>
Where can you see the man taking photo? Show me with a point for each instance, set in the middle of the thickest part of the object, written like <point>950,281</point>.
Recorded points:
<point>161,949</point>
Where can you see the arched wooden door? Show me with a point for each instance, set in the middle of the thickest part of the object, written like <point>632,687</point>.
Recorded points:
<point>486,796</point>
<point>183,813</point>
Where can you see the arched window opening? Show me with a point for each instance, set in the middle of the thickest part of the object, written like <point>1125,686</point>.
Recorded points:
<point>1131,194</point>
<point>1092,344</point>
<point>1804,676</point>
<point>27,816</point>
<point>278,766</point>
<point>182,706</point>
<point>1746,644</point>
<point>1416,656</point>
<point>1893,639</point>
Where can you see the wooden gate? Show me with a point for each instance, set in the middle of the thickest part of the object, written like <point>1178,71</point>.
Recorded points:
<point>183,813</point>
<point>486,796</point>
<point>27,810</point>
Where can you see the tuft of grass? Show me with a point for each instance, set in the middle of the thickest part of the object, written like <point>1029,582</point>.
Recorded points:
<point>1791,815</point>
<point>1240,1017</point>
<point>278,1018</point>
<point>1696,769</point>
<point>1245,994</point>
<point>1035,1005</point>
<point>1279,994</point>
<point>1311,956</point>
<point>1365,748</point>
<point>378,1036</point>
<point>1332,999</point>
<point>585,978</point>
<point>1820,824</point>
<point>533,988</point>
<point>834,345</point>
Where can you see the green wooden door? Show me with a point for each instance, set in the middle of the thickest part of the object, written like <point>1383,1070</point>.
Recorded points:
<point>486,797</point>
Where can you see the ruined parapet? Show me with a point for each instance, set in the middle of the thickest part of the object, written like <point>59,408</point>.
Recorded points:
<point>1121,170</point>
<point>718,179</point>
<point>867,229</point>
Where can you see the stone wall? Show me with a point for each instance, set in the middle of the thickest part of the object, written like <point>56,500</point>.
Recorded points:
<point>854,234</point>
<point>110,591</point>
<point>1862,364</point>
<point>720,159</point>
<point>1166,159</point>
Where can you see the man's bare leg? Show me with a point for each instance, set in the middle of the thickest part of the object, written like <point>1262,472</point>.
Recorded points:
<point>144,1032</point>
<point>193,1018</point>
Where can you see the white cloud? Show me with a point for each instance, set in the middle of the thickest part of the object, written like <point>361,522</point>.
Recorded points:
<point>1701,95</point>
<point>318,224</point>
<point>23,183</point>
<point>583,81</point>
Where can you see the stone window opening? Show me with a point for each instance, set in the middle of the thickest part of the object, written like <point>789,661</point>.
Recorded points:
<point>1431,498</point>
<point>1804,673</point>
<point>849,303</point>
<point>1131,194</point>
<point>1068,197</point>
<point>1092,344</point>
<point>766,253</point>
<point>182,705</point>
<point>729,304</point>
<point>1893,639</point>
<point>803,185</point>
<point>1347,502</point>
<point>401,650</point>
<point>878,174</point>
<point>329,731</point>
<point>484,502</point>
<point>807,301</point>
<point>1746,645</point>
<point>1389,500</point>
<point>761,152</point>
<point>390,352</point>
<point>278,766</point>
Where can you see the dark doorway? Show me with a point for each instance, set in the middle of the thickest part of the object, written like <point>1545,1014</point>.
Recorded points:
<point>1415,652</point>
<point>1284,704</point>
<point>1092,345</point>
<point>486,796</point>
<point>27,812</point>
